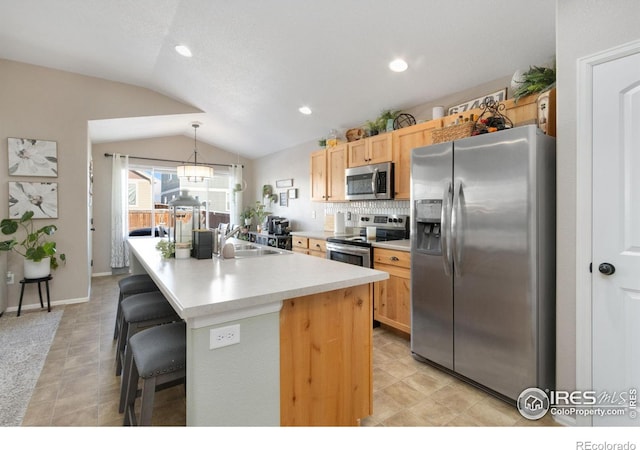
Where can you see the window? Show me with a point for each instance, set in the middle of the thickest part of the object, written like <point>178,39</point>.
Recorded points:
<point>151,189</point>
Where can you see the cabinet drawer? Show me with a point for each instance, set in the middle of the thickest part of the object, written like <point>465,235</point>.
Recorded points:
<point>300,242</point>
<point>303,251</point>
<point>318,245</point>
<point>392,257</point>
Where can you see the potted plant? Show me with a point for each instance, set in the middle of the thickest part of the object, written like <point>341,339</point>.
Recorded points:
<point>39,253</point>
<point>533,81</point>
<point>247,215</point>
<point>167,248</point>
<point>260,214</point>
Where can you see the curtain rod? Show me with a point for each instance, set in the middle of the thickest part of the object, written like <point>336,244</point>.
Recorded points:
<point>109,155</point>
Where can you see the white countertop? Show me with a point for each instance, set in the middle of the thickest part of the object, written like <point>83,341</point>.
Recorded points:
<point>319,234</point>
<point>206,287</point>
<point>403,245</point>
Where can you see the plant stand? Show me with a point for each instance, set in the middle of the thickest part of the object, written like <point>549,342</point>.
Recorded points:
<point>26,281</point>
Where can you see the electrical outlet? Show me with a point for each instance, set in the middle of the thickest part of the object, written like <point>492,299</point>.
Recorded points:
<point>10,278</point>
<point>224,336</point>
<point>313,213</point>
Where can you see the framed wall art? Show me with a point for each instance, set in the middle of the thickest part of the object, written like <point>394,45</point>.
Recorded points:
<point>32,157</point>
<point>41,198</point>
<point>284,183</point>
<point>284,199</point>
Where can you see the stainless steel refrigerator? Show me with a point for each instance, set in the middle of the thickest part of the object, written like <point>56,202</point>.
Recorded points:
<point>483,258</point>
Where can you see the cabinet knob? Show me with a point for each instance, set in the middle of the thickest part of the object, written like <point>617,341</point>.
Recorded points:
<point>394,258</point>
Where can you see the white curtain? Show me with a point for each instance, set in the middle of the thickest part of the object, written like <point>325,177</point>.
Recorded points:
<point>236,187</point>
<point>119,211</point>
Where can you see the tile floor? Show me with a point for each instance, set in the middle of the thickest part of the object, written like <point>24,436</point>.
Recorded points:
<point>78,386</point>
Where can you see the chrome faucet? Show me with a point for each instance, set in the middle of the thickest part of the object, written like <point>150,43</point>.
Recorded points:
<point>223,239</point>
<point>235,230</point>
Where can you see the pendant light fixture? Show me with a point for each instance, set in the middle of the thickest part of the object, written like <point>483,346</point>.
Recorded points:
<point>195,172</point>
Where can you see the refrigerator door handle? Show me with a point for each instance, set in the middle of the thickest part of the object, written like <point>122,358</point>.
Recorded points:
<point>456,234</point>
<point>445,214</point>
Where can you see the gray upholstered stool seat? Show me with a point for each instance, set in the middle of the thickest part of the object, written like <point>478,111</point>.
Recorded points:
<point>131,285</point>
<point>158,356</point>
<point>138,312</point>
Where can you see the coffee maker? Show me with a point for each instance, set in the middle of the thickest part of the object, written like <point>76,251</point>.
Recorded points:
<point>278,225</point>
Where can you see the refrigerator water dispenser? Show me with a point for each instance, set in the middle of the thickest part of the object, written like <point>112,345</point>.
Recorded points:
<point>428,216</point>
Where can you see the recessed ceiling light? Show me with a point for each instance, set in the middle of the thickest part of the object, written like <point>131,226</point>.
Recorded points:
<point>305,110</point>
<point>183,50</point>
<point>398,65</point>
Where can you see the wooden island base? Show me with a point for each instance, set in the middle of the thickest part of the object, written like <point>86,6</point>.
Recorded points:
<point>326,358</point>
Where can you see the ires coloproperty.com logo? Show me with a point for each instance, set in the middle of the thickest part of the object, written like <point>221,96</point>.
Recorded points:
<point>534,403</point>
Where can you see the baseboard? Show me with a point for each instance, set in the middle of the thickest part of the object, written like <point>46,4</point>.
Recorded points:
<point>101,274</point>
<point>32,306</point>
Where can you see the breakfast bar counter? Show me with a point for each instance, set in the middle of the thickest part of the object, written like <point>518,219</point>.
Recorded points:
<point>291,313</point>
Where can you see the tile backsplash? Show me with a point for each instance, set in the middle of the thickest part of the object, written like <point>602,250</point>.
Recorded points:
<point>356,208</point>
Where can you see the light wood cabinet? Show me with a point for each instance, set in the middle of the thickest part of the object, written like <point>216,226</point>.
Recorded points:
<point>392,297</point>
<point>371,150</point>
<point>309,246</point>
<point>405,140</point>
<point>326,354</point>
<point>327,173</point>
<point>318,247</point>
<point>300,244</point>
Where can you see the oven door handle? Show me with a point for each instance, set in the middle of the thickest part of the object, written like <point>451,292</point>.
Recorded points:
<point>348,249</point>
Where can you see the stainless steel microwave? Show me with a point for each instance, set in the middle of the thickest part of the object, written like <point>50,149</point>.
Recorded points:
<point>372,182</point>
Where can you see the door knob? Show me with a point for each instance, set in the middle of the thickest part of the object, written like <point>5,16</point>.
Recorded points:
<point>606,268</point>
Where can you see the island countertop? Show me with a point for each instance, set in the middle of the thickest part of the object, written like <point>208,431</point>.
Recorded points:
<point>206,287</point>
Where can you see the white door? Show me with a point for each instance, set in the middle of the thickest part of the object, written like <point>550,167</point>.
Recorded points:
<point>616,233</point>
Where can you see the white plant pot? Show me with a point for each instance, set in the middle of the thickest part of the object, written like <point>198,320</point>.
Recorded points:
<point>39,269</point>
<point>183,253</point>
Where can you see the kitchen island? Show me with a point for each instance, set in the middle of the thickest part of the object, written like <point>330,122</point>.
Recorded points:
<point>304,329</point>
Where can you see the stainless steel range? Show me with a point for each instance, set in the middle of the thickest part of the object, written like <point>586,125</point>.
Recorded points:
<point>356,249</point>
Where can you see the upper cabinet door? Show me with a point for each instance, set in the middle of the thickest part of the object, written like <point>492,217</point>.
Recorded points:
<point>372,150</point>
<point>357,151</point>
<point>319,176</point>
<point>336,165</point>
<point>404,141</point>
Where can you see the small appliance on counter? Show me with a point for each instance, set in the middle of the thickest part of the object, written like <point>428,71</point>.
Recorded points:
<point>202,244</point>
<point>278,225</point>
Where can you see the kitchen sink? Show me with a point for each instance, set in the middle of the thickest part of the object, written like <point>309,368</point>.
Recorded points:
<point>245,247</point>
<point>251,251</point>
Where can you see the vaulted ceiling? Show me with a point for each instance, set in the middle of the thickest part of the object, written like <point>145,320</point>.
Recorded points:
<point>255,62</point>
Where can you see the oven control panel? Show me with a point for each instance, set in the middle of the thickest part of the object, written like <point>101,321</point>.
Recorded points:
<point>384,221</point>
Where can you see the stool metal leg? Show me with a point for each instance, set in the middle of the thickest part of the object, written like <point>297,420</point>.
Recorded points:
<point>46,283</point>
<point>21,295</point>
<point>40,295</point>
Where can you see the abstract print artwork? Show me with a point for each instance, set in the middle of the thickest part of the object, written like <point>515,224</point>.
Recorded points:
<point>41,198</point>
<point>32,157</point>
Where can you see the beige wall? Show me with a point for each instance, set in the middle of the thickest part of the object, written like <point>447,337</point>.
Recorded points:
<point>584,27</point>
<point>174,148</point>
<point>49,104</point>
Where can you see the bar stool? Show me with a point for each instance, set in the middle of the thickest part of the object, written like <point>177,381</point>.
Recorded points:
<point>131,285</point>
<point>141,311</point>
<point>158,356</point>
